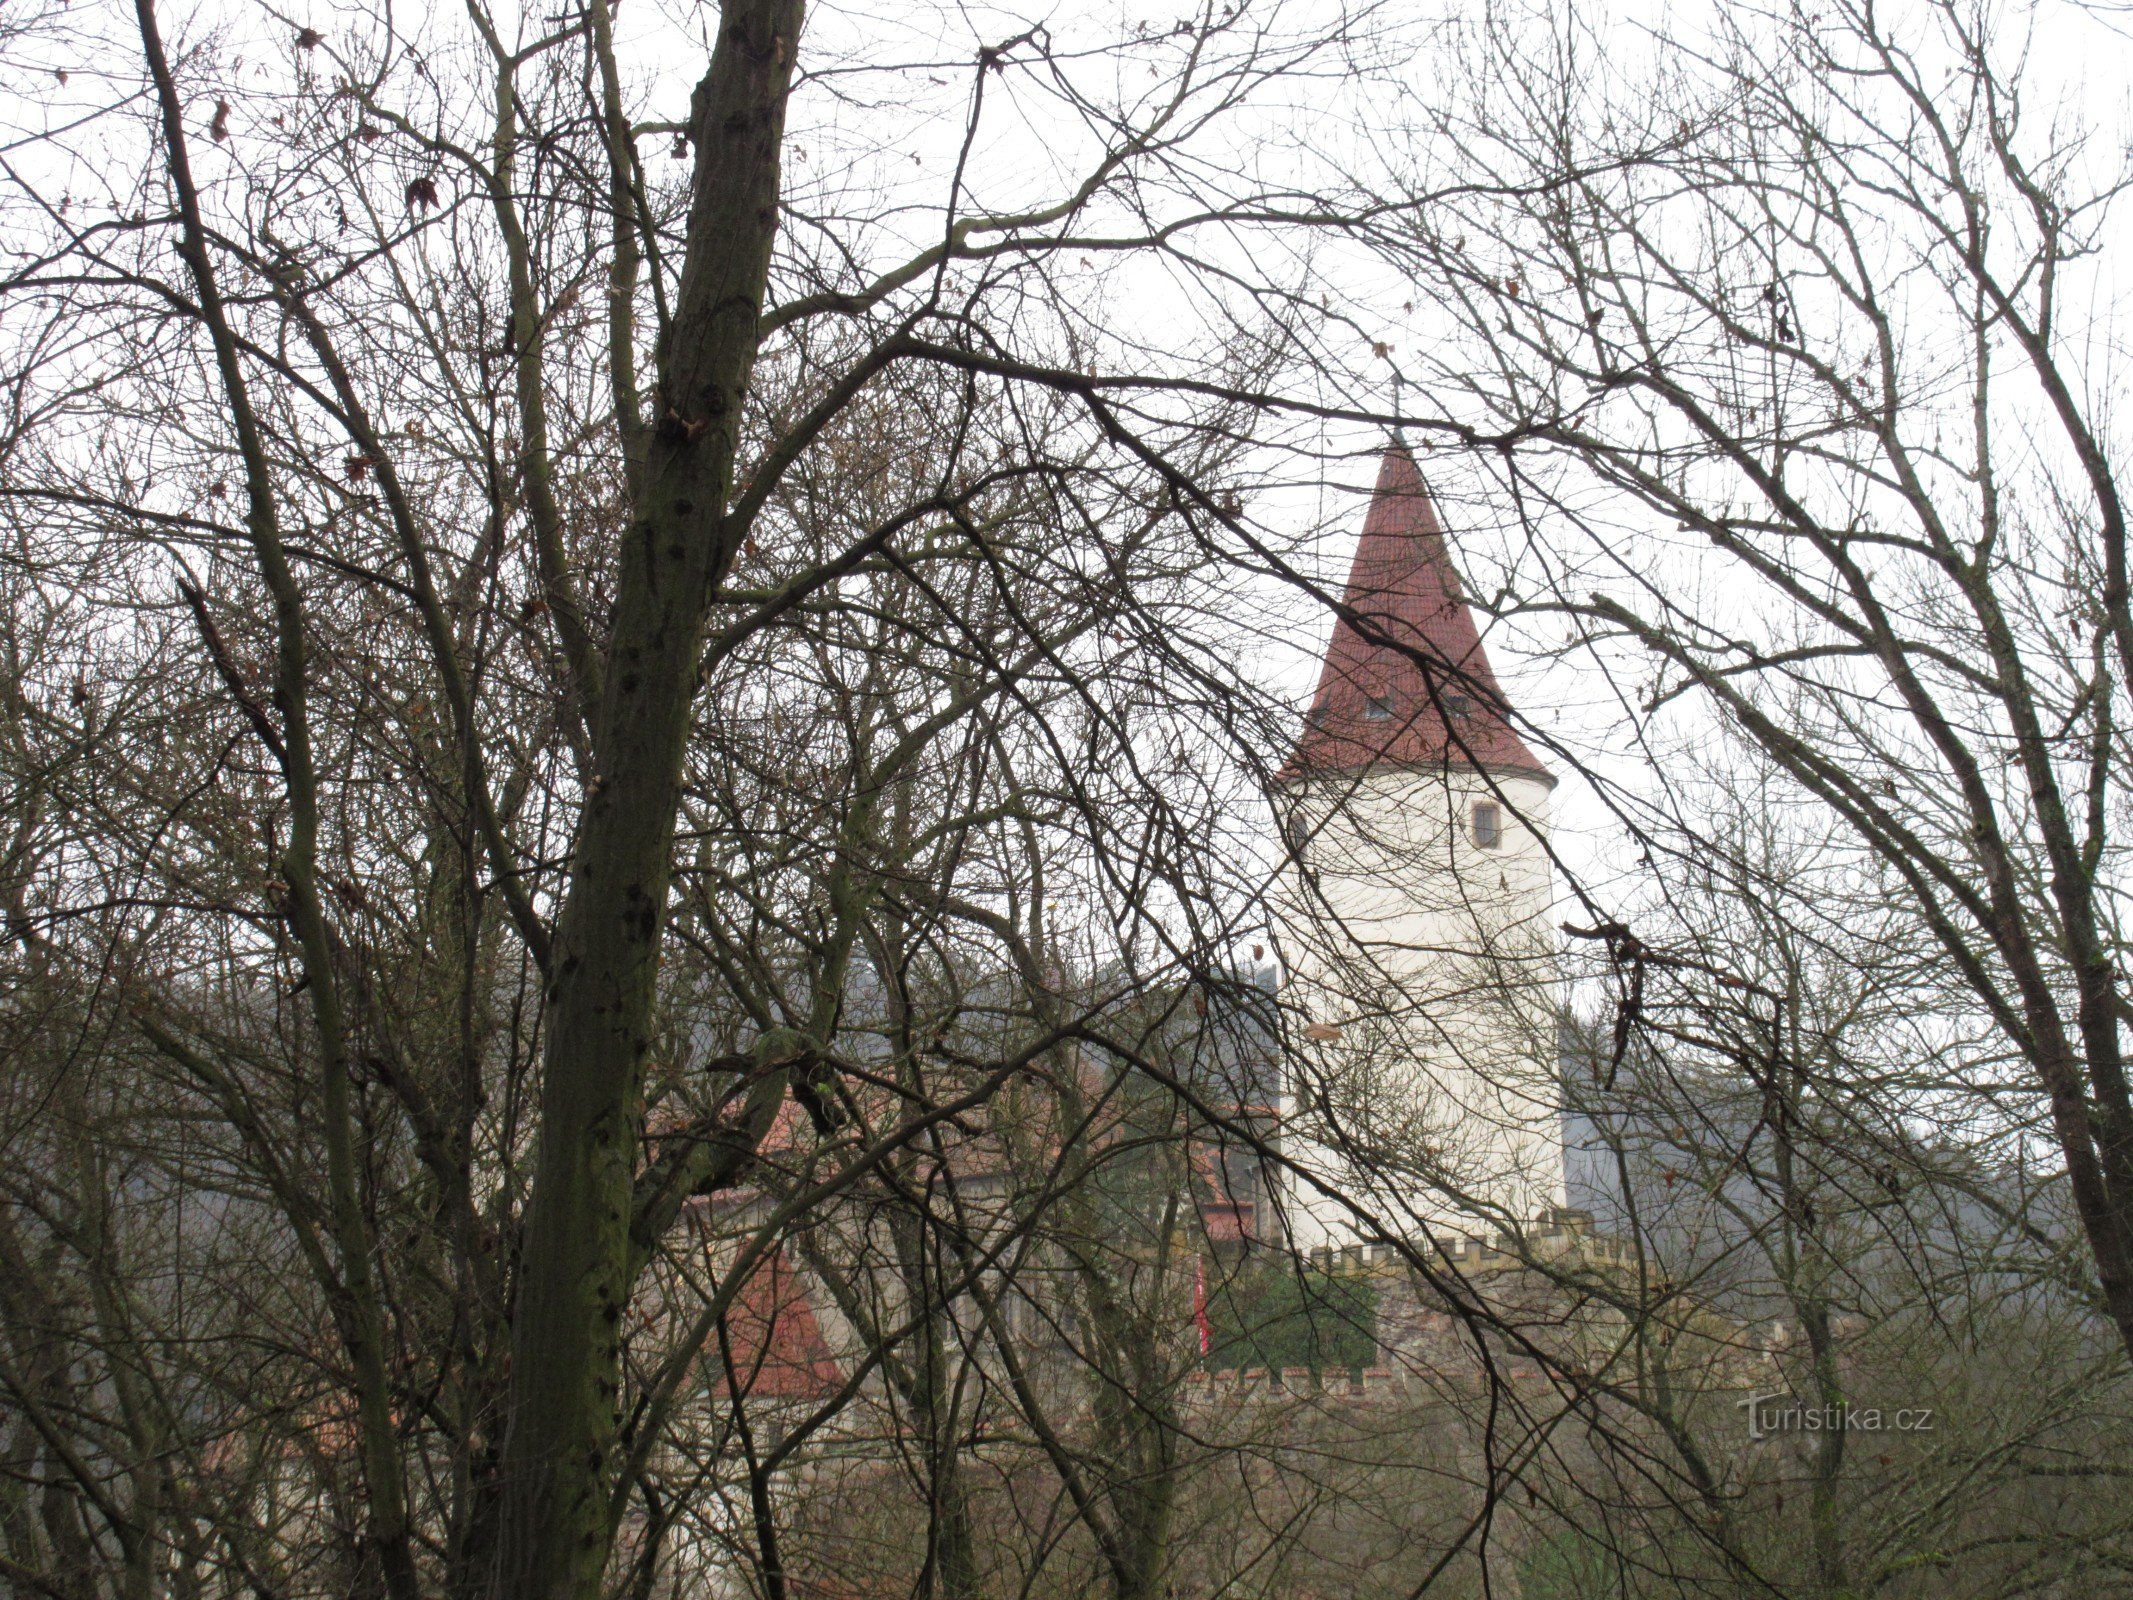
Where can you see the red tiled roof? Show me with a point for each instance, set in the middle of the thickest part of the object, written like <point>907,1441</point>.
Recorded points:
<point>775,1343</point>
<point>1375,701</point>
<point>1230,1221</point>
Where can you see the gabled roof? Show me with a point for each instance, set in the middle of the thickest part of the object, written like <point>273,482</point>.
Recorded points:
<point>774,1340</point>
<point>1408,683</point>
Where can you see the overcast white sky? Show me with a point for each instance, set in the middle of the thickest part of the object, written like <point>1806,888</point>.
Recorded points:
<point>883,113</point>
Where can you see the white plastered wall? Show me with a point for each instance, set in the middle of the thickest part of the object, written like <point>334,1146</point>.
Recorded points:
<point>1436,1102</point>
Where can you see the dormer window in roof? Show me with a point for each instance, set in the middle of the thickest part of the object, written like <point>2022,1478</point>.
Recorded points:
<point>1458,706</point>
<point>1377,708</point>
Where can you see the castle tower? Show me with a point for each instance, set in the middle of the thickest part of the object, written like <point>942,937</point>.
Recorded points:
<point>1416,911</point>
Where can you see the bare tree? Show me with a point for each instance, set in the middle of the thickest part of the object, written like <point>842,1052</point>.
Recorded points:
<point>480,545</point>
<point>1806,296</point>
<point>608,705</point>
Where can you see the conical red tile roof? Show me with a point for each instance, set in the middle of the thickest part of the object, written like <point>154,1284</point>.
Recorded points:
<point>1377,701</point>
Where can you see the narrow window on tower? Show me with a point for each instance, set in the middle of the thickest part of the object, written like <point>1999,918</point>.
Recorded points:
<point>1487,824</point>
<point>1377,708</point>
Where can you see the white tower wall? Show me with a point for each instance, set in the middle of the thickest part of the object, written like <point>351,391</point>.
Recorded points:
<point>1423,996</point>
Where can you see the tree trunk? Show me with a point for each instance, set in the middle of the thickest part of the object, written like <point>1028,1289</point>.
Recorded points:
<point>574,1287</point>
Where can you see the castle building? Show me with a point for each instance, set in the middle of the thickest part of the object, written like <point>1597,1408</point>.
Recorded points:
<point>1406,1069</point>
<point>1415,914</point>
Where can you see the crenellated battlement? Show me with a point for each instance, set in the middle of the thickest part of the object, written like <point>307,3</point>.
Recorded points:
<point>1234,1384</point>
<point>1561,1239</point>
<point>1552,1302</point>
